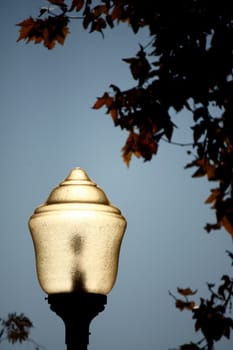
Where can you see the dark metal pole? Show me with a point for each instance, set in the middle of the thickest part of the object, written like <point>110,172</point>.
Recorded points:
<point>77,310</point>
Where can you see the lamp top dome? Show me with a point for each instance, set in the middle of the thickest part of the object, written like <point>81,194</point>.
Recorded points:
<point>77,187</point>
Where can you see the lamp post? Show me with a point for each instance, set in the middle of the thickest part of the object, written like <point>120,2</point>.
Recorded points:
<point>77,234</point>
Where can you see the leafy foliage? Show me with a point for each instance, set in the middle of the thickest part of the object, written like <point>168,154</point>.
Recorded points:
<point>210,315</point>
<point>48,30</point>
<point>16,329</point>
<point>187,64</point>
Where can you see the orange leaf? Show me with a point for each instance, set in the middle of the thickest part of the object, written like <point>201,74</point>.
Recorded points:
<point>202,162</point>
<point>99,103</point>
<point>77,5</point>
<point>47,41</point>
<point>200,172</point>
<point>210,172</point>
<point>127,150</point>
<point>38,40</point>
<point>182,305</point>
<point>99,10</point>
<point>104,100</point>
<point>215,193</point>
<point>26,28</point>
<point>186,291</point>
<point>61,38</point>
<point>127,155</point>
<point>132,146</point>
<point>116,12</point>
<point>114,114</point>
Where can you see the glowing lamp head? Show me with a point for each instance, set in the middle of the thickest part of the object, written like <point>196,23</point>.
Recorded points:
<point>77,234</point>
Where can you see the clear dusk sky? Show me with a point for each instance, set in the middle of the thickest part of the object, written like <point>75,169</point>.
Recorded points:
<point>47,128</point>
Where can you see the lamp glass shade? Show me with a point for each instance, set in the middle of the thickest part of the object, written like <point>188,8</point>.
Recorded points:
<point>77,234</point>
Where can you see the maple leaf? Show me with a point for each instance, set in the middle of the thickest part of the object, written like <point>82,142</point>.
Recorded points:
<point>109,102</point>
<point>104,100</point>
<point>27,29</point>
<point>49,30</point>
<point>55,29</point>
<point>140,145</point>
<point>130,148</point>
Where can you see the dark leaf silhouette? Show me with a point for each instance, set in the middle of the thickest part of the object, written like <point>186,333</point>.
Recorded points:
<point>139,67</point>
<point>17,327</point>
<point>211,314</point>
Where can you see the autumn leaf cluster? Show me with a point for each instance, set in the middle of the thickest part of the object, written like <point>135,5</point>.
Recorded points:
<point>211,315</point>
<point>49,31</point>
<point>16,327</point>
<point>186,65</point>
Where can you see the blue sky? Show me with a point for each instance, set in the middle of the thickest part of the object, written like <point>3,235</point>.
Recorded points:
<point>47,128</point>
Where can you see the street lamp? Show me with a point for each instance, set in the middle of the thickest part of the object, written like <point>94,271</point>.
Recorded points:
<point>77,234</point>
